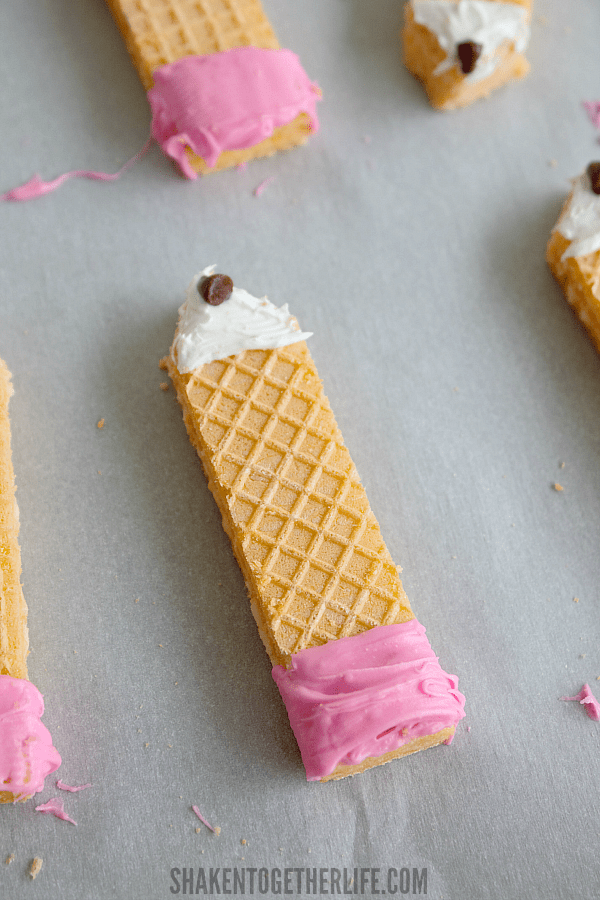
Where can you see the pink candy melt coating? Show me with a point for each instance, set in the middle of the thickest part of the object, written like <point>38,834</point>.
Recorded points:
<point>26,751</point>
<point>587,699</point>
<point>227,101</point>
<point>57,808</point>
<point>366,695</point>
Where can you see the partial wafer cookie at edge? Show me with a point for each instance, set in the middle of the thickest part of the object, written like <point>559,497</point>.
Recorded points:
<point>315,564</point>
<point>462,50</point>
<point>26,751</point>
<point>573,251</point>
<point>159,33</point>
<point>14,641</point>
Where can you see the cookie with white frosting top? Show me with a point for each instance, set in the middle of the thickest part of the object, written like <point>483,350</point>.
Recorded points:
<point>573,251</point>
<point>462,50</point>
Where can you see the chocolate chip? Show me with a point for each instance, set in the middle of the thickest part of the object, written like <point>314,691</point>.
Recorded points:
<point>593,172</point>
<point>215,289</point>
<point>468,54</point>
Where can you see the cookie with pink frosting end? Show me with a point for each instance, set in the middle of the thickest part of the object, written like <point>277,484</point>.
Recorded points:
<point>27,754</point>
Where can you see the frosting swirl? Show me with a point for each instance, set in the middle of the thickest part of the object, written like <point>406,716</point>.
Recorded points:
<point>243,322</point>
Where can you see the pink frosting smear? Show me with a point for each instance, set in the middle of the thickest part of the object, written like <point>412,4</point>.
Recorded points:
<point>26,751</point>
<point>57,808</point>
<point>592,108</point>
<point>227,101</point>
<point>203,820</point>
<point>587,699</point>
<point>73,788</point>
<point>262,186</point>
<point>366,695</point>
<point>35,187</point>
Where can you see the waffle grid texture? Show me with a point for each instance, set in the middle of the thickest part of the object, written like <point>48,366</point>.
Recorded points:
<point>310,548</point>
<point>13,609</point>
<point>158,32</point>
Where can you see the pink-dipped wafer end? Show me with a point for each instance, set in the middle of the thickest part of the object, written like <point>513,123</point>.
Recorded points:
<point>27,754</point>
<point>229,100</point>
<point>366,696</point>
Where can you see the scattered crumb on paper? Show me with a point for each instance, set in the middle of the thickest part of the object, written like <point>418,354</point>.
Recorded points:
<point>35,867</point>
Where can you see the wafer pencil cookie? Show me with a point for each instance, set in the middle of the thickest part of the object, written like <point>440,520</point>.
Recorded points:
<point>221,89</point>
<point>26,751</point>
<point>324,591</point>
<point>573,252</point>
<point>462,50</point>
<point>14,641</point>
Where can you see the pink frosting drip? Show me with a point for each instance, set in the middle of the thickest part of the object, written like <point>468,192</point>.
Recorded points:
<point>587,699</point>
<point>592,108</point>
<point>36,187</point>
<point>55,807</point>
<point>366,695</point>
<point>227,101</point>
<point>26,751</point>
<point>73,788</point>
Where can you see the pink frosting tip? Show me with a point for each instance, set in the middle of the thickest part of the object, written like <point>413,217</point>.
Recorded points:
<point>592,108</point>
<point>57,808</point>
<point>227,101</point>
<point>203,820</point>
<point>73,788</point>
<point>26,751</point>
<point>587,699</point>
<point>366,695</point>
<point>262,186</point>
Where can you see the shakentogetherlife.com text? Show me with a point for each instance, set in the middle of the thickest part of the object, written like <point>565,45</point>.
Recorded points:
<point>298,882</point>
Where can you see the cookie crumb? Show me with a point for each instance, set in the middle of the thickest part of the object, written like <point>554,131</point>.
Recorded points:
<point>101,423</point>
<point>164,385</point>
<point>243,842</point>
<point>162,364</point>
<point>35,867</point>
<point>575,599</point>
<point>557,486</point>
<point>552,163</point>
<point>217,830</point>
<point>137,599</point>
<point>198,830</point>
<point>561,465</point>
<point>9,859</point>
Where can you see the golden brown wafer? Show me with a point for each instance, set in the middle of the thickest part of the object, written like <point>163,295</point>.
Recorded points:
<point>158,32</point>
<point>13,609</point>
